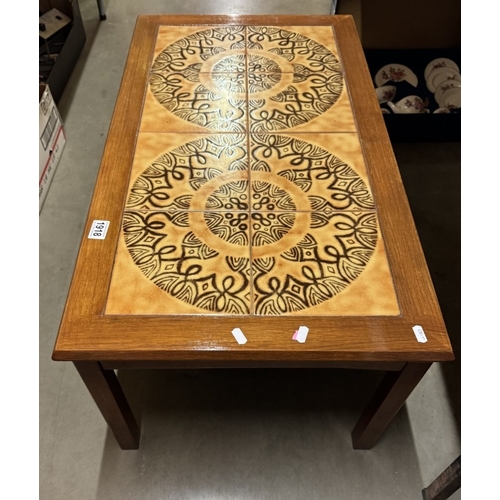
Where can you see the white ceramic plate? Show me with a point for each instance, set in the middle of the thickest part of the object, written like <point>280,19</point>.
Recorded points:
<point>441,111</point>
<point>395,73</point>
<point>445,86</point>
<point>442,75</point>
<point>439,75</point>
<point>441,62</point>
<point>451,98</point>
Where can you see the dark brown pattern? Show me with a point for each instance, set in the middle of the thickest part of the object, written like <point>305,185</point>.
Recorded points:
<point>180,267</point>
<point>305,216</point>
<point>321,271</point>
<point>194,79</point>
<point>186,169</point>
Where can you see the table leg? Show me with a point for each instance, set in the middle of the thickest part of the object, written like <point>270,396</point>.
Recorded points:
<point>389,397</point>
<point>446,483</point>
<point>106,390</point>
<point>102,13</point>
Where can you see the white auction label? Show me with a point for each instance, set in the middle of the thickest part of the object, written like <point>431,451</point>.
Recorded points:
<point>99,229</point>
<point>301,334</point>
<point>419,333</point>
<point>239,336</point>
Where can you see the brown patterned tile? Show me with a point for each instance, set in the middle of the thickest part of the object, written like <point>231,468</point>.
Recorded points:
<point>294,81</point>
<point>310,263</point>
<point>259,62</point>
<point>199,262</point>
<point>182,263</point>
<point>275,232</point>
<point>281,221</point>
<point>263,86</point>
<point>296,48</point>
<point>337,118</point>
<point>194,48</point>
<point>311,93</point>
<point>233,86</point>
<point>318,172</point>
<point>299,104</point>
<point>174,103</point>
<point>232,62</point>
<point>188,172</point>
<point>268,194</point>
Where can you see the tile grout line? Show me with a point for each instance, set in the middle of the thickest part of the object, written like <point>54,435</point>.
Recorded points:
<point>250,235</point>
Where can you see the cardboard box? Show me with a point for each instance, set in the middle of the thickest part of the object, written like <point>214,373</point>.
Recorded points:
<point>74,42</point>
<point>51,140</point>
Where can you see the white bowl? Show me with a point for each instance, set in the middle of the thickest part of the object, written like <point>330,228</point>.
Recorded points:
<point>385,93</point>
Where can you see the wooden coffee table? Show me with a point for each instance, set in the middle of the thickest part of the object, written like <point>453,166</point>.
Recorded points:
<point>248,191</point>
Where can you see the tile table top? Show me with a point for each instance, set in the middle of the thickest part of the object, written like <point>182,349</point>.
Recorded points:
<point>248,191</point>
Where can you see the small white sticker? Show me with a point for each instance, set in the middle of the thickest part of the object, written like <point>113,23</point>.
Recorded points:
<point>99,229</point>
<point>419,333</point>
<point>238,335</point>
<point>301,334</point>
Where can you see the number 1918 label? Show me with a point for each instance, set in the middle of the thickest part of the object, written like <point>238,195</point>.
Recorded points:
<point>99,229</point>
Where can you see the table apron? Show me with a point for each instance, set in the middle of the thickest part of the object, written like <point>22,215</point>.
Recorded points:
<point>201,364</point>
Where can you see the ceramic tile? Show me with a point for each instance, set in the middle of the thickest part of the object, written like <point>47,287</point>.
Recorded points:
<point>301,263</point>
<point>297,48</point>
<point>269,193</point>
<point>263,62</point>
<point>288,79</point>
<point>314,264</point>
<point>196,103</point>
<point>187,90</point>
<point>263,86</point>
<point>310,94</point>
<point>233,86</point>
<point>270,228</point>
<point>189,172</point>
<point>319,104</point>
<point>182,263</point>
<point>194,48</point>
<point>318,172</point>
<point>234,62</point>
<point>248,191</point>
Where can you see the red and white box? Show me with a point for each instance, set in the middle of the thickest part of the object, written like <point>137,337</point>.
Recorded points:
<point>51,140</point>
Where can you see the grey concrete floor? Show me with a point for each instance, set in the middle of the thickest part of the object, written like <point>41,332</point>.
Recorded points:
<point>264,434</point>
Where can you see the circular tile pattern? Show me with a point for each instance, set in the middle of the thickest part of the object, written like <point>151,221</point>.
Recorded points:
<point>291,229</point>
<point>230,64</point>
<point>280,78</point>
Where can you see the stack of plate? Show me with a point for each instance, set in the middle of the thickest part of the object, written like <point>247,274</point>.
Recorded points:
<point>443,79</point>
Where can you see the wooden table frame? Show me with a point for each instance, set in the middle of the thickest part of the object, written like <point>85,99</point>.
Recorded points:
<point>98,344</point>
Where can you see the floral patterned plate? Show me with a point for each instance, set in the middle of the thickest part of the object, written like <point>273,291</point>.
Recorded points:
<point>439,75</point>
<point>395,73</point>
<point>443,87</point>
<point>451,98</point>
<point>441,62</point>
